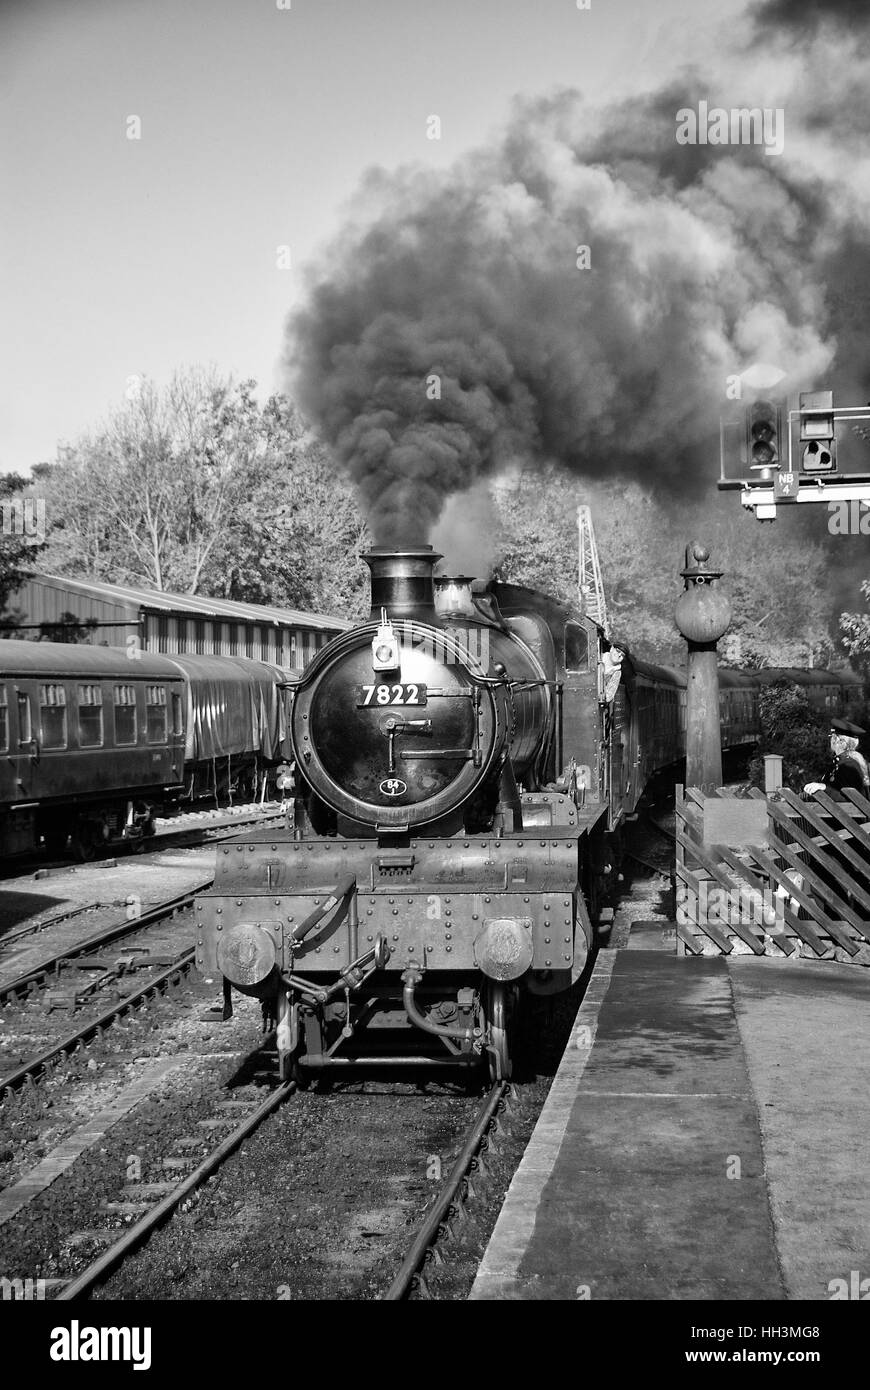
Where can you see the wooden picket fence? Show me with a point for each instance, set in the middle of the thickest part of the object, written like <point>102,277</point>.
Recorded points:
<point>773,875</point>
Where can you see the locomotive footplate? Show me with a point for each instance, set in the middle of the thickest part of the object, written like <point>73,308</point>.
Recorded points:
<point>450,905</point>
<point>342,940</point>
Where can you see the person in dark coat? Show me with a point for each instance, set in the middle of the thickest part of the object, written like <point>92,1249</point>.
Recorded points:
<point>848,767</point>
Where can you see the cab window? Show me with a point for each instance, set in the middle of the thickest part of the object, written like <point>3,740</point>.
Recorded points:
<point>576,647</point>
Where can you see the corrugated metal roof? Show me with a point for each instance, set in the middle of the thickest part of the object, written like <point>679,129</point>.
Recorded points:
<point>134,599</point>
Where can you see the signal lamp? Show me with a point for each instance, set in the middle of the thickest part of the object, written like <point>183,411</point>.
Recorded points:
<point>764,428</point>
<point>818,432</point>
<point>385,646</point>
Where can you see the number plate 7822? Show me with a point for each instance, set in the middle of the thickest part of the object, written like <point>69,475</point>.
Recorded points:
<point>390,693</point>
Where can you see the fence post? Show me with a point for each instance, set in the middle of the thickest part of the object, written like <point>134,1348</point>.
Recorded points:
<point>772,773</point>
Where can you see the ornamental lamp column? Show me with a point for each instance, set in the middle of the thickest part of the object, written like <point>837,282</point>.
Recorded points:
<point>703,615</point>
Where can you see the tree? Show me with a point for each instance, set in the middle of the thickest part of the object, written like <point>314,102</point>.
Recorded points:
<point>198,489</point>
<point>538,547</point>
<point>855,633</point>
<point>21,537</point>
<point>297,539</point>
<point>777,582</point>
<point>779,589</point>
<point>146,498</point>
<point>791,727</point>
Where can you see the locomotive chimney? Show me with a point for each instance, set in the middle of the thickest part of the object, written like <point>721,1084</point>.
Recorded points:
<point>402,582</point>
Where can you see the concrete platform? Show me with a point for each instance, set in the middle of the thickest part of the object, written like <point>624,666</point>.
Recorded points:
<point>707,1136</point>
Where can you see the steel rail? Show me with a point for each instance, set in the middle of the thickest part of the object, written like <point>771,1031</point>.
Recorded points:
<point>151,1219</point>
<point>34,927</point>
<point>37,1064</point>
<point>163,837</point>
<point>428,1231</point>
<point>662,829</point>
<point>123,927</point>
<point>647,864</point>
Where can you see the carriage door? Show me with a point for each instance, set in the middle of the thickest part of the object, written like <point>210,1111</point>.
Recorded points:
<point>619,753</point>
<point>23,748</point>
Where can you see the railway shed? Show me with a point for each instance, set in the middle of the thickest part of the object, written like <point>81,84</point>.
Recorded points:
<point>62,609</point>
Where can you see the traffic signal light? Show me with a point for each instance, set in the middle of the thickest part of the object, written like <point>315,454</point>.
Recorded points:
<point>764,431</point>
<point>818,444</point>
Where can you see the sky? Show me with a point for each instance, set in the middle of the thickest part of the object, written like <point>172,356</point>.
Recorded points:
<point>123,257</point>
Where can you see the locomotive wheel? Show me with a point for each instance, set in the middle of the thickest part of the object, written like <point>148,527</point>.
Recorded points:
<point>148,830</point>
<point>55,837</point>
<point>496,1008</point>
<point>290,1066</point>
<point>84,841</point>
<point>300,1074</point>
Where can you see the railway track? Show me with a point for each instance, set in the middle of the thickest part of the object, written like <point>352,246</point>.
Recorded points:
<point>192,837</point>
<point>42,974</point>
<point>38,975</point>
<point>138,1233</point>
<point>32,928</point>
<point>336,1229</point>
<point>410,1278</point>
<point>184,837</point>
<point>37,1065</point>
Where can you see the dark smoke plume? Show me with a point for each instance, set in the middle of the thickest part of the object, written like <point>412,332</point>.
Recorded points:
<point>806,16</point>
<point>452,331</point>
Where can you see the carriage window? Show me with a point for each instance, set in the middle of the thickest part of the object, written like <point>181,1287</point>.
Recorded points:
<point>25,728</point>
<point>155,712</point>
<point>125,714</point>
<point>52,716</point>
<point>90,716</point>
<point>177,714</point>
<point>576,648</point>
<point>4,719</point>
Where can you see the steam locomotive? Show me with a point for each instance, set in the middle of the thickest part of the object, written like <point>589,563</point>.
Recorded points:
<point>461,764</point>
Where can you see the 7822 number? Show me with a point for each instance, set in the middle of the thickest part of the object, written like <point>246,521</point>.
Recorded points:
<point>386,694</point>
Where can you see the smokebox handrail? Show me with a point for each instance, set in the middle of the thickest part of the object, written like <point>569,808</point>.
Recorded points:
<point>446,643</point>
